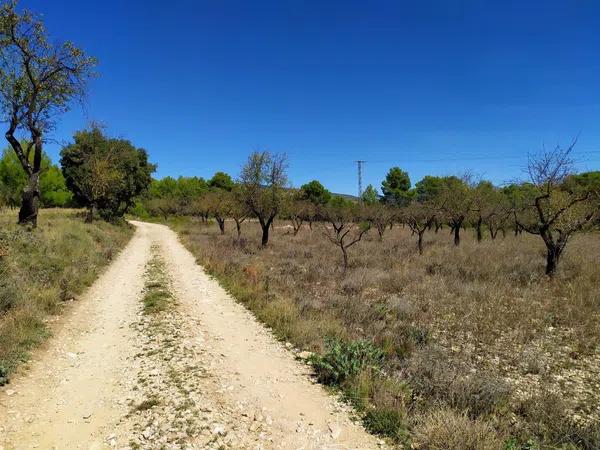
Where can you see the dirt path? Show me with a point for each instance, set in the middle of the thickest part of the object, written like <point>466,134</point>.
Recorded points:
<point>202,374</point>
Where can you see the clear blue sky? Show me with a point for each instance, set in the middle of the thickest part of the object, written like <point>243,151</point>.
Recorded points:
<point>433,87</point>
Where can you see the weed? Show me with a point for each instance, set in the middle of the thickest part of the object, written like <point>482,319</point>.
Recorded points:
<point>345,359</point>
<point>148,404</point>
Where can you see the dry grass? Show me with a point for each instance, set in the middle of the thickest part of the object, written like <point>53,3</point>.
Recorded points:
<point>41,270</point>
<point>476,328</point>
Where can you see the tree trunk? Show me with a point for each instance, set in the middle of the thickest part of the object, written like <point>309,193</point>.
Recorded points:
<point>221,223</point>
<point>265,230</point>
<point>345,256</point>
<point>457,235</point>
<point>420,243</point>
<point>552,261</point>
<point>30,201</point>
<point>478,228</point>
<point>89,218</point>
<point>238,226</point>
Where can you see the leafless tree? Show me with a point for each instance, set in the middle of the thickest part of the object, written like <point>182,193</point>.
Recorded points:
<point>557,210</point>
<point>419,217</point>
<point>344,225</point>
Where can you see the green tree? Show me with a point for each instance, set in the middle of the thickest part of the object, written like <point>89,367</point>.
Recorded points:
<point>315,192</point>
<point>429,188</point>
<point>38,81</point>
<point>396,187</point>
<point>370,195</point>
<point>105,174</point>
<point>455,200</point>
<point>221,180</point>
<point>13,180</point>
<point>54,188</point>
<point>263,179</point>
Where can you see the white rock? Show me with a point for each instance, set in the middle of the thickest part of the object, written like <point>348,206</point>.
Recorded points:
<point>219,430</point>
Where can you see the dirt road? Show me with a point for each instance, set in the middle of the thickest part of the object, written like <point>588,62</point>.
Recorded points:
<point>203,374</point>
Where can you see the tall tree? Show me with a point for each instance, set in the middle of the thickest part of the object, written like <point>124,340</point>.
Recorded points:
<point>369,195</point>
<point>38,81</point>
<point>396,187</point>
<point>263,179</point>
<point>221,180</point>
<point>315,192</point>
<point>105,174</point>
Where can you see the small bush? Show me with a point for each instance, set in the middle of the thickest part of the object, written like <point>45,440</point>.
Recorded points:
<point>3,375</point>
<point>388,422</point>
<point>345,359</point>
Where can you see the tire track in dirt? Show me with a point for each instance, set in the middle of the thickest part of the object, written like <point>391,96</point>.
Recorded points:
<point>201,374</point>
<point>76,388</point>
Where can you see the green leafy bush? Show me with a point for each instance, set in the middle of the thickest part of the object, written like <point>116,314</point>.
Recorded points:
<point>345,359</point>
<point>3,375</point>
<point>386,422</point>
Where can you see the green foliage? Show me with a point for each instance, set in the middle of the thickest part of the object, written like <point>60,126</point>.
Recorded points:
<point>13,179</point>
<point>386,422</point>
<point>3,375</point>
<point>428,189</point>
<point>315,192</point>
<point>370,195</point>
<point>344,360</point>
<point>396,187</point>
<point>105,173</point>
<point>221,180</point>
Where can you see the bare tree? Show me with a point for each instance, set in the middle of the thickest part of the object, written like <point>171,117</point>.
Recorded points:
<point>558,209</point>
<point>419,217</point>
<point>263,180</point>
<point>344,225</point>
<point>38,81</point>
<point>381,216</point>
<point>238,209</point>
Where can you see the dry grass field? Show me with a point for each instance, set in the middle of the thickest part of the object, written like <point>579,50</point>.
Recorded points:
<point>42,270</point>
<point>480,349</point>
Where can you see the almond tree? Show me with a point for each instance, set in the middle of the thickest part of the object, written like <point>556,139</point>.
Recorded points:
<point>218,205</point>
<point>344,225</point>
<point>455,200</point>
<point>238,210</point>
<point>38,81</point>
<point>263,180</point>
<point>562,204</point>
<point>419,217</point>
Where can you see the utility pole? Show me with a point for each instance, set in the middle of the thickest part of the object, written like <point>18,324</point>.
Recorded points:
<point>359,164</point>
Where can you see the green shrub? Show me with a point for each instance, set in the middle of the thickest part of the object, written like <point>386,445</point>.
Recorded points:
<point>3,375</point>
<point>343,360</point>
<point>386,422</point>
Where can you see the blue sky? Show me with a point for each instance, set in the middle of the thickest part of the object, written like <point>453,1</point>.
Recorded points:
<point>433,87</point>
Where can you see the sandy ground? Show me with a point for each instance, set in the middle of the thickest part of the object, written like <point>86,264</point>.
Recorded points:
<point>205,374</point>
